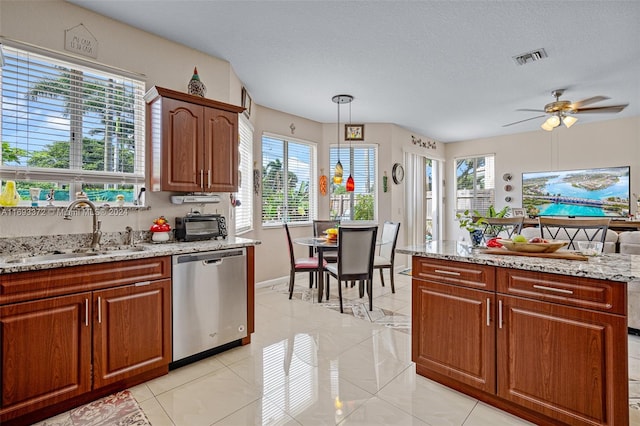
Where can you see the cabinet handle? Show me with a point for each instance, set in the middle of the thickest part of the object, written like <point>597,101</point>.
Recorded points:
<point>99,310</point>
<point>86,312</point>
<point>500,313</point>
<point>557,290</point>
<point>209,178</point>
<point>141,283</point>
<point>440,271</point>
<point>488,312</point>
<point>201,178</point>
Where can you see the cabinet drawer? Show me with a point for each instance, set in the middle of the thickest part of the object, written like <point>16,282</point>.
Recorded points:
<point>22,286</point>
<point>582,292</point>
<point>451,272</point>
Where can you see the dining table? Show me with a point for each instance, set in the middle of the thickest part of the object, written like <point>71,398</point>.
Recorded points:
<point>320,244</point>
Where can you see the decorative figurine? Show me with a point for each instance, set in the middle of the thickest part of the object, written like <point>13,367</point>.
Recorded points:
<point>196,87</point>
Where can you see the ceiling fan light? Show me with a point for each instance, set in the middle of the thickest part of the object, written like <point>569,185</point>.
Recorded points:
<point>569,120</point>
<point>546,127</point>
<point>553,121</point>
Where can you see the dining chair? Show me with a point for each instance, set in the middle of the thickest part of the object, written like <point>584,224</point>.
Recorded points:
<point>386,255</point>
<point>356,250</point>
<point>321,225</point>
<point>301,264</point>
<point>574,230</point>
<point>502,226</point>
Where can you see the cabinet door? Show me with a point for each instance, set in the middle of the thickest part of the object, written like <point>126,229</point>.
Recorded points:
<point>454,332</point>
<point>46,352</point>
<point>132,330</point>
<point>183,167</point>
<point>565,362</point>
<point>221,146</point>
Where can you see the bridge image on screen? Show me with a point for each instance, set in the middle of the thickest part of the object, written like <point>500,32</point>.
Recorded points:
<point>577,193</point>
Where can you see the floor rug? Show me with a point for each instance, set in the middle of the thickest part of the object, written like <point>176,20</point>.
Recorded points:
<point>119,409</point>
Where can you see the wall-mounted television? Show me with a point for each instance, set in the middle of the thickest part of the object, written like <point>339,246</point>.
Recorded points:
<point>577,193</point>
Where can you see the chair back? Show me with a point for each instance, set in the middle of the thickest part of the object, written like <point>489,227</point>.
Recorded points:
<point>504,227</point>
<point>356,250</point>
<point>574,230</point>
<point>390,231</point>
<point>319,226</point>
<point>292,257</point>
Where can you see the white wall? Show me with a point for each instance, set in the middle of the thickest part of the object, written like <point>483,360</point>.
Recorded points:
<point>608,143</point>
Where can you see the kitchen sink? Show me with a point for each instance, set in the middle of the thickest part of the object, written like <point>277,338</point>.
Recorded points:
<point>51,256</point>
<point>61,255</point>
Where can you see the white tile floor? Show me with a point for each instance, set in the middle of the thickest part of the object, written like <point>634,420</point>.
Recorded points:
<point>310,365</point>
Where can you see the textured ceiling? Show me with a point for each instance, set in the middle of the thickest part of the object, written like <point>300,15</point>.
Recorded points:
<point>442,69</point>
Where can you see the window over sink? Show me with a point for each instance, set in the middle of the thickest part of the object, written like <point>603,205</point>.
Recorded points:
<point>71,126</point>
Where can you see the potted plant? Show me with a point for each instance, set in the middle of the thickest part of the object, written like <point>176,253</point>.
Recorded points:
<point>491,231</point>
<point>472,223</point>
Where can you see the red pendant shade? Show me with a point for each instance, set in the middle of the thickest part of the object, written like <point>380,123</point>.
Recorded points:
<point>350,184</point>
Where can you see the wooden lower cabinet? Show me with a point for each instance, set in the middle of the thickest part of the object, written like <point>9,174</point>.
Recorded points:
<point>562,361</point>
<point>61,351</point>
<point>462,318</point>
<point>46,352</point>
<point>132,331</point>
<point>539,357</point>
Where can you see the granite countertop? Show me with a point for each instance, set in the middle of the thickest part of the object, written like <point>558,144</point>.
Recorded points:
<point>111,254</point>
<point>609,266</point>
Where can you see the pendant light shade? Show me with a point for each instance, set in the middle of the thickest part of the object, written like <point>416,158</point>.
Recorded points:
<point>351,185</point>
<point>337,174</point>
<point>339,99</point>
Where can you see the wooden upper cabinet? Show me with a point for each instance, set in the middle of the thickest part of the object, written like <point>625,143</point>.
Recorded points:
<point>192,143</point>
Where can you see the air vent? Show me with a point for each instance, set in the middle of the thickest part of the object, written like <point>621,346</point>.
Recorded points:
<point>534,55</point>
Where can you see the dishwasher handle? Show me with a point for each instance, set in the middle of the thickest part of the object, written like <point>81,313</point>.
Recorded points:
<point>208,258</point>
<point>214,262</point>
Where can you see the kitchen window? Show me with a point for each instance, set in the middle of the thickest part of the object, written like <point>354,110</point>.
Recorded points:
<point>361,204</point>
<point>244,211</point>
<point>70,126</point>
<point>475,183</point>
<point>288,180</point>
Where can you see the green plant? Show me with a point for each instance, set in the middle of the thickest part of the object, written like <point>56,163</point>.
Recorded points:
<point>470,222</point>
<point>491,213</point>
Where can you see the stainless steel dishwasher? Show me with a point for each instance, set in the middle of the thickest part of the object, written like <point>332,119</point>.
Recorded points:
<point>209,302</point>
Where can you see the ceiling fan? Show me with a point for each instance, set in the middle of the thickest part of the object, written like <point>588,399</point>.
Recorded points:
<point>561,112</point>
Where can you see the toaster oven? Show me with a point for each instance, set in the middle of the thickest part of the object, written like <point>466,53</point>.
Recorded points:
<point>196,226</point>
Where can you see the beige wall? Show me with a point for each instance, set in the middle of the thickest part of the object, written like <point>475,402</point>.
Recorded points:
<point>164,63</point>
<point>607,143</point>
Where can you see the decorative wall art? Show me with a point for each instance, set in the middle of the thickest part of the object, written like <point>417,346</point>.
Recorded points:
<point>423,144</point>
<point>246,103</point>
<point>354,132</point>
<point>256,179</point>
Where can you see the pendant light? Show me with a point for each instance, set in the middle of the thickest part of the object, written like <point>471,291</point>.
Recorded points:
<point>339,99</point>
<point>351,185</point>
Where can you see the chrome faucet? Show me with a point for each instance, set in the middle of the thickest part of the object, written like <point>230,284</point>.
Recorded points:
<point>96,232</point>
<point>130,239</point>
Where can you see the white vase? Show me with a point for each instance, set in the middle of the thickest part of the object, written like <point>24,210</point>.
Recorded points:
<point>160,237</point>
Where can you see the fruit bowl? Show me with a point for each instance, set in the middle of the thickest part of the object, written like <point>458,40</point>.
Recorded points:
<point>548,247</point>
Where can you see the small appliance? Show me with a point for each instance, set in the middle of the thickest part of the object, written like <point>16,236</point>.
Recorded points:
<point>196,226</point>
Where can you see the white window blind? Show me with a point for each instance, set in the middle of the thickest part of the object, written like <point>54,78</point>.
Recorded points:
<point>244,212</point>
<point>70,124</point>
<point>288,180</point>
<point>475,183</point>
<point>361,203</point>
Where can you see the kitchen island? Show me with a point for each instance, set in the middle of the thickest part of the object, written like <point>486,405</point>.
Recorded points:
<point>544,339</point>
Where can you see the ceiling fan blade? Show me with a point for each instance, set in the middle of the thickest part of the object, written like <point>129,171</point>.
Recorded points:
<point>522,121</point>
<point>533,110</point>
<point>611,108</point>
<point>588,101</point>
